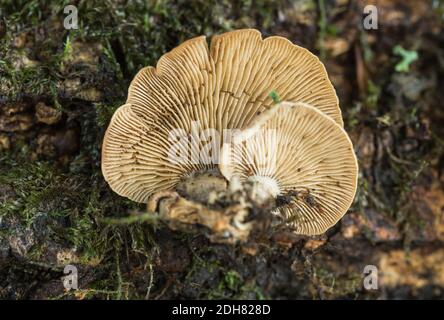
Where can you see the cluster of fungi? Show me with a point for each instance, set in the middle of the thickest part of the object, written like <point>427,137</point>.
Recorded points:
<point>290,159</point>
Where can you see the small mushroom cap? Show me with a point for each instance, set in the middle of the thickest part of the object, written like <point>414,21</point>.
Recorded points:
<point>304,152</point>
<point>221,87</point>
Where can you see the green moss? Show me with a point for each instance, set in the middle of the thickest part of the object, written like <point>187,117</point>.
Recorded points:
<point>35,186</point>
<point>330,284</point>
<point>407,58</point>
<point>133,35</point>
<point>75,199</point>
<point>76,207</point>
<point>232,280</point>
<point>104,113</point>
<point>373,94</point>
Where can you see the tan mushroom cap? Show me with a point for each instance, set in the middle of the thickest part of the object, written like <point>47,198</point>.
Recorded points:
<point>300,153</point>
<point>248,68</point>
<point>221,87</point>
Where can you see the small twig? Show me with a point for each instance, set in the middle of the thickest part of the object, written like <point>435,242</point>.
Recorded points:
<point>165,288</point>
<point>140,218</point>
<point>119,276</point>
<point>150,284</point>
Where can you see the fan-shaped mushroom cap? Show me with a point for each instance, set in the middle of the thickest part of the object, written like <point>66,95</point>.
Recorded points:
<point>248,68</point>
<point>302,156</point>
<point>221,87</point>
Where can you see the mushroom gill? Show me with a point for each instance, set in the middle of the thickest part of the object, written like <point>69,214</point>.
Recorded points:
<point>302,158</point>
<point>174,119</point>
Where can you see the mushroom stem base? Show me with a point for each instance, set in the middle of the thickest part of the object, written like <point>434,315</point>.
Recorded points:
<point>225,213</point>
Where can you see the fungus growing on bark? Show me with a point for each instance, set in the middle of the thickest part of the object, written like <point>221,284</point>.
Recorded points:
<point>301,157</point>
<point>227,216</point>
<point>173,122</point>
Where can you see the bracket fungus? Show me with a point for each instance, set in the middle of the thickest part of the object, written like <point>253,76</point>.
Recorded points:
<point>179,114</point>
<point>301,157</point>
